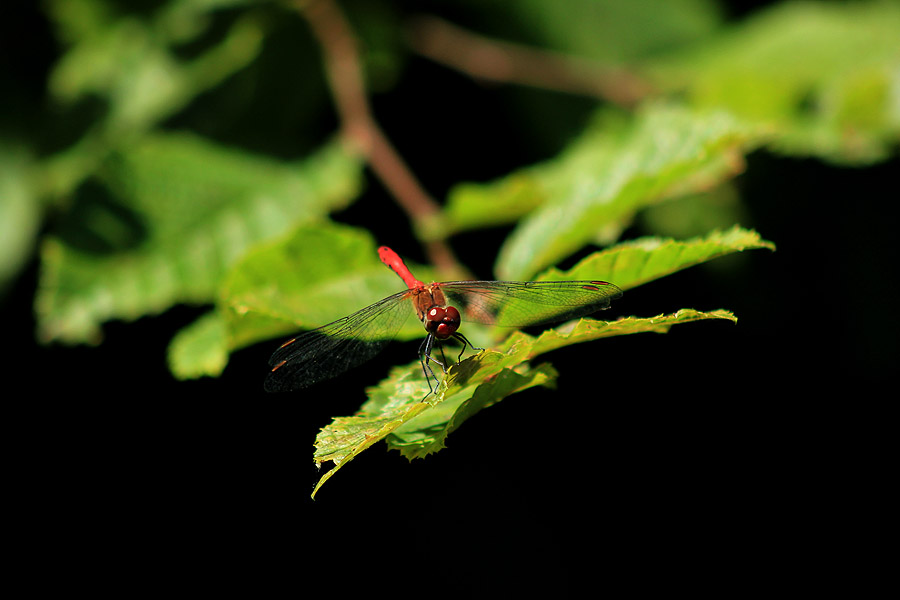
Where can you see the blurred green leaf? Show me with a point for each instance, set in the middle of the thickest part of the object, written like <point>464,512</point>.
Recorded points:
<point>131,64</point>
<point>822,75</point>
<point>79,19</point>
<point>129,60</point>
<point>615,31</point>
<point>695,214</point>
<point>199,349</point>
<point>593,190</point>
<point>618,165</point>
<point>20,211</point>
<point>309,277</point>
<point>506,200</point>
<point>189,209</point>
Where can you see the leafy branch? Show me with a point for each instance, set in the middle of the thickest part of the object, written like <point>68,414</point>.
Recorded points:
<point>342,64</point>
<point>146,208</point>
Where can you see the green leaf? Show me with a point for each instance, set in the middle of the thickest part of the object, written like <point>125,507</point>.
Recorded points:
<point>591,191</point>
<point>308,278</point>
<point>425,433</point>
<point>199,349</point>
<point>587,330</point>
<point>20,211</point>
<point>506,200</point>
<point>304,279</point>
<point>822,75</point>
<point>615,31</point>
<point>184,211</point>
<point>137,67</point>
<point>399,412</point>
<point>639,261</point>
<point>313,288</point>
<point>130,62</point>
<point>695,214</point>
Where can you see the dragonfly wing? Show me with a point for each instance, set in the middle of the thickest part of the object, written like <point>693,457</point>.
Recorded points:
<point>326,352</point>
<point>520,304</point>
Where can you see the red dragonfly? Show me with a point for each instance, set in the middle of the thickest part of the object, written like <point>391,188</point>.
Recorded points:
<point>328,351</point>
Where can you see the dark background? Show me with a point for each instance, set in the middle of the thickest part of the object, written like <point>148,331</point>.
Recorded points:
<point>712,449</point>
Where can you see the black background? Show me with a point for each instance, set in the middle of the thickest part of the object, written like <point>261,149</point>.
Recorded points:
<point>710,452</point>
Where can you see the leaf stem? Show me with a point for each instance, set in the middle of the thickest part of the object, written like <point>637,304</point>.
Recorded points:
<point>344,73</point>
<point>493,60</point>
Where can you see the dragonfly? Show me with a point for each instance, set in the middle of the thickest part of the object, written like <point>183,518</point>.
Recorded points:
<point>330,350</point>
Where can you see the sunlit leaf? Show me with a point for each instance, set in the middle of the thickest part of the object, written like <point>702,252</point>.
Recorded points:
<point>185,210</point>
<point>639,261</point>
<point>314,288</point>
<point>591,191</point>
<point>426,432</point>
<point>471,205</point>
<point>396,400</point>
<point>308,278</point>
<point>399,412</point>
<point>822,75</point>
<point>302,280</point>
<point>587,330</point>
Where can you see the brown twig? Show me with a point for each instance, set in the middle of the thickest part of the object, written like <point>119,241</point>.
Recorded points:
<point>342,66</point>
<point>493,60</point>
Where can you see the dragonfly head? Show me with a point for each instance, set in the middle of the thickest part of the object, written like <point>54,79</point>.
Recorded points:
<point>442,322</point>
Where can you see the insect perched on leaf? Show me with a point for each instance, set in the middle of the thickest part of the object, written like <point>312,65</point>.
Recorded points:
<point>330,350</point>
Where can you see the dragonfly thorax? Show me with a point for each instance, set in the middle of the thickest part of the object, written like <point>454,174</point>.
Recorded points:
<point>442,322</point>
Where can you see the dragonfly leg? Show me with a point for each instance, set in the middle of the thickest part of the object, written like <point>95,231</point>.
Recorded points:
<point>443,358</point>
<point>425,359</point>
<point>465,342</point>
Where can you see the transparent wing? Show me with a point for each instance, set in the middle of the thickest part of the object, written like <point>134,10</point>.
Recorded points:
<point>328,351</point>
<point>520,304</point>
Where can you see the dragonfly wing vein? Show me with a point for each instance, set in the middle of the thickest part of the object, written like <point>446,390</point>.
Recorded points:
<point>328,351</point>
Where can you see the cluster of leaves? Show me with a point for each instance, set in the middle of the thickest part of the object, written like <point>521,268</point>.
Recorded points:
<point>195,222</point>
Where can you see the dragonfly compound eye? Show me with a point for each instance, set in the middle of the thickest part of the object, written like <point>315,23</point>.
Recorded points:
<point>449,324</point>
<point>433,318</point>
<point>451,317</point>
